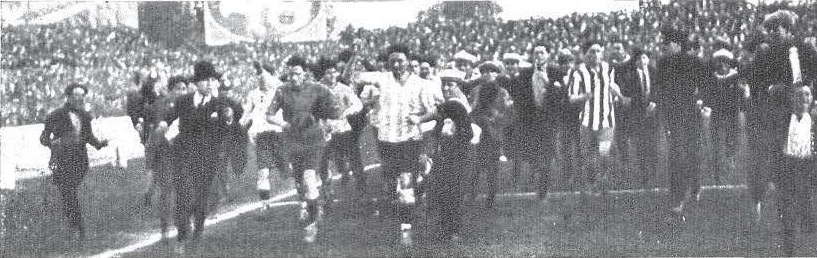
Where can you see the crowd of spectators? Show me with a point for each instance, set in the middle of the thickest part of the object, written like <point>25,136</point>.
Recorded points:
<point>38,61</point>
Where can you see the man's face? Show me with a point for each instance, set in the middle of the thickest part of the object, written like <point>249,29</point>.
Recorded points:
<point>425,70</point>
<point>594,54</point>
<point>415,66</point>
<point>643,60</point>
<point>449,88</point>
<point>77,98</point>
<point>296,75</point>
<point>540,57</point>
<point>802,99</point>
<point>565,65</point>
<point>207,86</point>
<point>463,66</point>
<point>330,76</point>
<point>265,80</point>
<point>512,66</point>
<point>398,62</point>
<point>618,53</point>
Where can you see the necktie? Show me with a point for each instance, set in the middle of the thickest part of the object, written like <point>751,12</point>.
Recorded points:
<point>645,88</point>
<point>201,103</point>
<point>794,59</point>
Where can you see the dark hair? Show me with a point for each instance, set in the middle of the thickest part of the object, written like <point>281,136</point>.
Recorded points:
<point>148,90</point>
<point>398,48</point>
<point>176,79</point>
<point>260,68</point>
<point>69,90</point>
<point>589,43</point>
<point>485,97</point>
<point>297,61</point>
<point>324,63</point>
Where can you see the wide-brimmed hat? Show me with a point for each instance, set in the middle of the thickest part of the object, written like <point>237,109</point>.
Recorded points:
<point>784,18</point>
<point>204,70</point>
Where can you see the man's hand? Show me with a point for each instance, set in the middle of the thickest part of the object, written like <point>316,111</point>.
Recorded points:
<point>162,126</point>
<point>651,109</point>
<point>414,119</point>
<point>626,101</point>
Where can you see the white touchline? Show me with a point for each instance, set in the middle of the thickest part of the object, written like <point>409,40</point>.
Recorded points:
<point>244,208</point>
<point>273,202</point>
<point>155,238</point>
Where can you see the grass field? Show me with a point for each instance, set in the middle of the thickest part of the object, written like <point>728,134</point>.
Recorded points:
<point>625,223</point>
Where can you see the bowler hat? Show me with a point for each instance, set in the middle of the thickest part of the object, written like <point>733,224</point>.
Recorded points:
<point>204,70</point>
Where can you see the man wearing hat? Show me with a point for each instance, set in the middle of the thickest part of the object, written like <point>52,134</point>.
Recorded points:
<point>304,104</point>
<point>723,100</point>
<point>788,64</point>
<point>202,126</point>
<point>680,75</point>
<point>67,131</point>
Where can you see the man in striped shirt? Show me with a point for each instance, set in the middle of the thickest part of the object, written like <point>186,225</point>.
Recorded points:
<point>401,105</point>
<point>594,85</point>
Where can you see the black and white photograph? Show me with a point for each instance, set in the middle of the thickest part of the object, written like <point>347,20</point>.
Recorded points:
<point>408,128</point>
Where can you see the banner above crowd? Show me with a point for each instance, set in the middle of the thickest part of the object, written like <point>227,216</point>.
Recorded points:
<point>93,14</point>
<point>235,21</point>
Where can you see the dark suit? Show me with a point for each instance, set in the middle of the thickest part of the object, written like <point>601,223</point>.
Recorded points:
<point>768,108</point>
<point>197,147</point>
<point>679,78</point>
<point>532,132</point>
<point>633,120</point>
<point>69,156</point>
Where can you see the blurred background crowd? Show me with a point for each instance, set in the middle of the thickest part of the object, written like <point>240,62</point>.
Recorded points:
<point>39,60</point>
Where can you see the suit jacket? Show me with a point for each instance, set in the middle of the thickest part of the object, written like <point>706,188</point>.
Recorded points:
<point>69,156</point>
<point>200,128</point>
<point>772,67</point>
<point>680,76</point>
<point>629,81</point>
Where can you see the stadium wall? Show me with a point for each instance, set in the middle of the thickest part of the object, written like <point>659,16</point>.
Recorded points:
<point>23,157</point>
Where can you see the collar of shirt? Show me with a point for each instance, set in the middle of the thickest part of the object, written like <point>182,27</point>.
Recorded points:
<point>197,97</point>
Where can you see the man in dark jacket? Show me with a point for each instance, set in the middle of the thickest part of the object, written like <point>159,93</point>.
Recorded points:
<point>679,77</point>
<point>203,123</point>
<point>637,80</point>
<point>782,60</point>
<point>67,131</point>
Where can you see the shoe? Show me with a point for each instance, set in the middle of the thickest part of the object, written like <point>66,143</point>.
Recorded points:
<point>406,235</point>
<point>503,158</point>
<point>678,209</point>
<point>263,194</point>
<point>311,232</point>
<point>758,211</point>
<point>304,213</point>
<point>179,248</point>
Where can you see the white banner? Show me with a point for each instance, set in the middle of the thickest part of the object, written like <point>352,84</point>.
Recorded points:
<point>287,21</point>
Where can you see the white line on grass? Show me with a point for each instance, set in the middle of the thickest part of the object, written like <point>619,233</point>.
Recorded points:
<point>244,208</point>
<point>155,238</point>
<point>273,202</point>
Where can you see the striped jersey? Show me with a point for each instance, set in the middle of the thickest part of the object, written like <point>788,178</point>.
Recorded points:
<point>598,112</point>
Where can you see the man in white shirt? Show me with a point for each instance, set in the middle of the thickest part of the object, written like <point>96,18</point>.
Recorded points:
<point>263,135</point>
<point>399,109</point>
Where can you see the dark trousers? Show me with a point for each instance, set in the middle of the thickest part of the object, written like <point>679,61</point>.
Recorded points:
<point>71,206</point>
<point>646,141</point>
<point>398,158</point>
<point>760,153</point>
<point>193,182</point>
<point>723,134</point>
<point>569,145</point>
<point>683,162</point>
<point>795,181</point>
<point>343,150</point>
<point>487,162</point>
<point>449,205</point>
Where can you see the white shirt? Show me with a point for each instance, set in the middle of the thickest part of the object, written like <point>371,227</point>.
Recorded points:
<point>799,140</point>
<point>395,103</point>
<point>197,97</point>
<point>794,59</point>
<point>256,104</point>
